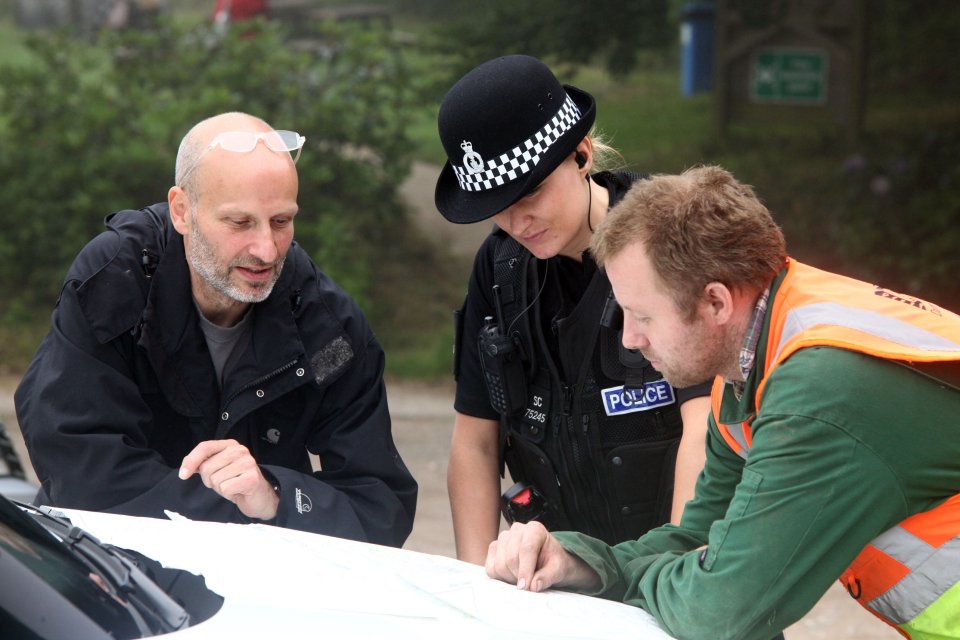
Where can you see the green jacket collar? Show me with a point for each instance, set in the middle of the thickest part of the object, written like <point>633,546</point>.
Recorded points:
<point>733,410</point>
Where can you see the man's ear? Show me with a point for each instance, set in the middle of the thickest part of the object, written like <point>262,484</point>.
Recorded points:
<point>718,302</point>
<point>179,204</point>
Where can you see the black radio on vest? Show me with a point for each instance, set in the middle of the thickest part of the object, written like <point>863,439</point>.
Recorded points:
<point>501,363</point>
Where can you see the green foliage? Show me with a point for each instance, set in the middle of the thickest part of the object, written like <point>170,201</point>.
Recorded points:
<point>647,120</point>
<point>90,128</point>
<point>427,359</point>
<point>608,31</point>
<point>887,211</point>
<point>898,223</point>
<point>911,46</point>
<point>87,129</point>
<point>12,50</point>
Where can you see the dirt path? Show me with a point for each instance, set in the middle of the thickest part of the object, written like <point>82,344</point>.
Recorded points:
<point>461,239</point>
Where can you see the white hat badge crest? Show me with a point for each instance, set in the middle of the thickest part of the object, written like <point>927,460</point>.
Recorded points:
<point>472,161</point>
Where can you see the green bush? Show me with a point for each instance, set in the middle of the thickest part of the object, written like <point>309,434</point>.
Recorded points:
<point>608,32</point>
<point>90,128</point>
<point>886,211</point>
<point>898,223</point>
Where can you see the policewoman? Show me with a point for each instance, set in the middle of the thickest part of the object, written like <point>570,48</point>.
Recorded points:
<point>589,431</point>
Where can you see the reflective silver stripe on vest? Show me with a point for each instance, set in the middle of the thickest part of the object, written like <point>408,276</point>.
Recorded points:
<point>870,322</point>
<point>933,570</point>
<point>737,431</point>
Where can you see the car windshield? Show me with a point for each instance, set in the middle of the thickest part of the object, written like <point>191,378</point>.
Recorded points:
<point>40,578</point>
<point>58,581</point>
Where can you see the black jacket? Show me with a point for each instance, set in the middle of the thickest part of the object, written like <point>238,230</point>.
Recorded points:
<point>123,387</point>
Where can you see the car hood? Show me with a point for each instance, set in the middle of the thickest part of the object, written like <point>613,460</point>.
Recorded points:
<point>285,583</point>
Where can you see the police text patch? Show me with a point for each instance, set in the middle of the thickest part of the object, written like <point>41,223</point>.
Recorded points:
<point>617,401</point>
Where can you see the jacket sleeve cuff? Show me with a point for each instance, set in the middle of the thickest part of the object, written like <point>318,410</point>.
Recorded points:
<point>597,555</point>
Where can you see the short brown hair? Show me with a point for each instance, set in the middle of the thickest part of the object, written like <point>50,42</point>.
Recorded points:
<point>698,227</point>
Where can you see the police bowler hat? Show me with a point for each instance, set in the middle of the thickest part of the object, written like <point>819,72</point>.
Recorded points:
<point>505,126</point>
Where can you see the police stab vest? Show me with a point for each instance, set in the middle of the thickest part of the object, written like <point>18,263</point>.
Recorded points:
<point>908,576</point>
<point>599,432</point>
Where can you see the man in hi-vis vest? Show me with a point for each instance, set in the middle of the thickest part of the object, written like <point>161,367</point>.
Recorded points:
<point>834,443</point>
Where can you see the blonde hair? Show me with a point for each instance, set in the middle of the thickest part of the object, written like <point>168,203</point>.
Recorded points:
<point>605,157</point>
<point>699,227</point>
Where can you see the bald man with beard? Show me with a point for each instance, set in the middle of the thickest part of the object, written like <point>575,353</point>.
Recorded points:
<point>197,357</point>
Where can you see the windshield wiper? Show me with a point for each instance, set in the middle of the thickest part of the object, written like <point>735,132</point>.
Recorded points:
<point>152,609</point>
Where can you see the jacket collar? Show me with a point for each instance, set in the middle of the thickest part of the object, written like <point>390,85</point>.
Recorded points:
<point>174,340</point>
<point>732,410</point>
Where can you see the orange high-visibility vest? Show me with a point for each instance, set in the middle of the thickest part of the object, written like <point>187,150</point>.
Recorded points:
<point>908,576</point>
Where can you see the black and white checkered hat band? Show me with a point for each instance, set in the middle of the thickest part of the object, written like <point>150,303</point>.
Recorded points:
<point>519,160</point>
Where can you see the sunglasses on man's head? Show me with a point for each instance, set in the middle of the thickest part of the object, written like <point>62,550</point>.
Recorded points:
<point>246,141</point>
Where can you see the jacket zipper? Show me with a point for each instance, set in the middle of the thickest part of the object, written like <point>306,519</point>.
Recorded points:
<point>259,381</point>
<point>582,487</point>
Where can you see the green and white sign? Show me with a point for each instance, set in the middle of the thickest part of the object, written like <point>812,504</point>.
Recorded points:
<point>791,76</point>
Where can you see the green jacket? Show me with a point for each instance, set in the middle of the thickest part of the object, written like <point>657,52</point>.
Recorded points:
<point>846,446</point>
